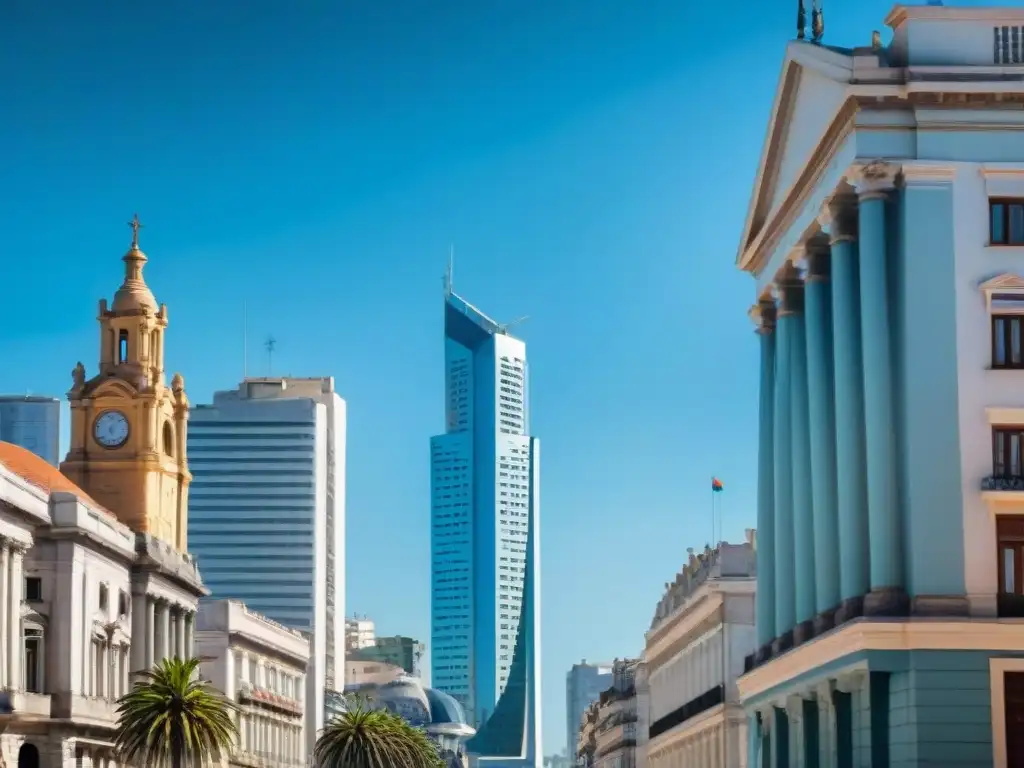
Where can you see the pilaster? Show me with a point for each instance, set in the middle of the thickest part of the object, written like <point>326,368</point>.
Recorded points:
<point>15,588</point>
<point>6,631</point>
<point>851,459</point>
<point>874,182</point>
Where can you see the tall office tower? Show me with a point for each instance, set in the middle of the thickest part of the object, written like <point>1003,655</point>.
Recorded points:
<point>360,632</point>
<point>584,683</point>
<point>33,423</point>
<point>485,550</point>
<point>267,512</point>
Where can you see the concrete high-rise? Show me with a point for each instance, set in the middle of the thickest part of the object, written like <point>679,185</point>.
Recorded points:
<point>267,512</point>
<point>485,548</point>
<point>33,423</point>
<point>584,683</point>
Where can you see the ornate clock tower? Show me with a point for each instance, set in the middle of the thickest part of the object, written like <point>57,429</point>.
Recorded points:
<point>127,426</point>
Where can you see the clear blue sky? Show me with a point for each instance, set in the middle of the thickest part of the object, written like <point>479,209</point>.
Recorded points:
<point>591,162</point>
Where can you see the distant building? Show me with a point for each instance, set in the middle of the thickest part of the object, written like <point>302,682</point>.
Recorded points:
<point>260,666</point>
<point>360,632</point>
<point>608,731</point>
<point>401,651</point>
<point>702,631</point>
<point>583,684</point>
<point>267,511</point>
<point>359,673</point>
<point>33,423</point>
<point>485,544</point>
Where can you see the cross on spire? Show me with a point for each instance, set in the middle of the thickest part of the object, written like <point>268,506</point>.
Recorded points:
<point>136,225</point>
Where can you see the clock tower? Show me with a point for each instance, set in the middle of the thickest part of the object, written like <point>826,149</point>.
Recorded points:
<point>127,426</point>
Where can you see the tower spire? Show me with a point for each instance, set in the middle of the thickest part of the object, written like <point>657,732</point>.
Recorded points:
<point>449,271</point>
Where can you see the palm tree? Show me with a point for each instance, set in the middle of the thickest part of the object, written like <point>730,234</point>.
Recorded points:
<point>363,737</point>
<point>171,717</point>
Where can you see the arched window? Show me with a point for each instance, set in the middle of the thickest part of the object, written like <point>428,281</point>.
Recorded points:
<point>168,438</point>
<point>122,346</point>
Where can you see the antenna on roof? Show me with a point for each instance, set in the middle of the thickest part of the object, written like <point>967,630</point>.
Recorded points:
<point>245,340</point>
<point>270,344</point>
<point>449,271</point>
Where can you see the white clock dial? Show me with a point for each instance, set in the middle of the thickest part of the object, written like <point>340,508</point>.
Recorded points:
<point>111,429</point>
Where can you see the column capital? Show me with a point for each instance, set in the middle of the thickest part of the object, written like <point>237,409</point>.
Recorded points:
<point>838,218</point>
<point>873,179</point>
<point>819,260</point>
<point>789,290</point>
<point>762,315</point>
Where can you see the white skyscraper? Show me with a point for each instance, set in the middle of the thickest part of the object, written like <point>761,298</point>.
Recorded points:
<point>267,512</point>
<point>485,547</point>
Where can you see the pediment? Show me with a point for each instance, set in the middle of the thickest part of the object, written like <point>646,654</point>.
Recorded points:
<point>812,88</point>
<point>1005,282</point>
<point>114,387</point>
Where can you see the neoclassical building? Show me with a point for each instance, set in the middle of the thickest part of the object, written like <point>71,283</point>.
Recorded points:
<point>702,631</point>
<point>95,580</point>
<point>608,728</point>
<point>261,666</point>
<point>886,236</point>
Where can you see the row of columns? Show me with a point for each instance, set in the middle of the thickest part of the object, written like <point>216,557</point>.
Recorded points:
<point>705,748</point>
<point>692,673</point>
<point>162,629</point>
<point>12,579</point>
<point>827,453</point>
<point>271,737</point>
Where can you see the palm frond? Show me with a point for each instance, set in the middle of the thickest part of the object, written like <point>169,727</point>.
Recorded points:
<point>363,737</point>
<point>171,717</point>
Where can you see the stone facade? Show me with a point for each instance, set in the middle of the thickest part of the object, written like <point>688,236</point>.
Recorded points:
<point>884,238</point>
<point>81,601</point>
<point>702,631</point>
<point>261,666</point>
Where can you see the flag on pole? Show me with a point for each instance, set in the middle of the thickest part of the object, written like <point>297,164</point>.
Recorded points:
<point>716,485</point>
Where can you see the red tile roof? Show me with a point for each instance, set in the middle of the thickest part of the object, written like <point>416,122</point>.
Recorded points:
<point>39,472</point>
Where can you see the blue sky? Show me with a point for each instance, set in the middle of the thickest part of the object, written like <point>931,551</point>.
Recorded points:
<point>591,162</point>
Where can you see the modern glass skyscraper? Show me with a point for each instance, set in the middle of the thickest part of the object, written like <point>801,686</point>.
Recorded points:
<point>485,544</point>
<point>32,423</point>
<point>267,512</point>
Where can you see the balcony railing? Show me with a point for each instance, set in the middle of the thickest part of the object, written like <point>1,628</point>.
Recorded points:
<point>1003,483</point>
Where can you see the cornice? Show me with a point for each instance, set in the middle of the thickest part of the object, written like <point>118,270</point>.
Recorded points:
<point>1000,636</point>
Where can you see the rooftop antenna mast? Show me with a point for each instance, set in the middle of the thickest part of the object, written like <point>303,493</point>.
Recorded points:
<point>245,340</point>
<point>270,344</point>
<point>449,271</point>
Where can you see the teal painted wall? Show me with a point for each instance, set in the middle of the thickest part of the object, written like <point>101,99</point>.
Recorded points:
<point>940,711</point>
<point>930,485</point>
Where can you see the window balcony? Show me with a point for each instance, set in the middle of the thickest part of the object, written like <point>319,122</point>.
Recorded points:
<point>1000,489</point>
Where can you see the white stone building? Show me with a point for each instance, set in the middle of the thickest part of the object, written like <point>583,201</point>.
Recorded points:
<point>261,666</point>
<point>702,631</point>
<point>608,729</point>
<point>84,603</point>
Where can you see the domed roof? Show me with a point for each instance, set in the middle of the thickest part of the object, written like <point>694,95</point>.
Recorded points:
<point>39,472</point>
<point>134,294</point>
<point>444,709</point>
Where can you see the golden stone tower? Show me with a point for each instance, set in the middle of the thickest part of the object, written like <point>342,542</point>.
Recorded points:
<point>127,426</point>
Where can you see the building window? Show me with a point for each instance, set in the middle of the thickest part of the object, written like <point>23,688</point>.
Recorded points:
<point>33,658</point>
<point>1006,221</point>
<point>1006,452</point>
<point>1007,349</point>
<point>122,346</point>
<point>103,597</point>
<point>124,605</point>
<point>1010,564</point>
<point>33,589</point>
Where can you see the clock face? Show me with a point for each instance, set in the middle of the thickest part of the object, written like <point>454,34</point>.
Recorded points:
<point>111,429</point>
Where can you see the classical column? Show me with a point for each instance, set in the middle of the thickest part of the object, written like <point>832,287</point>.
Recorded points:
<point>16,580</point>
<point>803,507</point>
<point>190,620</point>
<point>5,615</point>
<point>851,472</point>
<point>163,626</point>
<point>150,638</point>
<point>764,313</point>
<point>887,595</point>
<point>821,408</point>
<point>179,627</point>
<point>785,554</point>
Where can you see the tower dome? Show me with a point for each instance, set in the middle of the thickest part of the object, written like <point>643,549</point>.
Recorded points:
<point>134,295</point>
